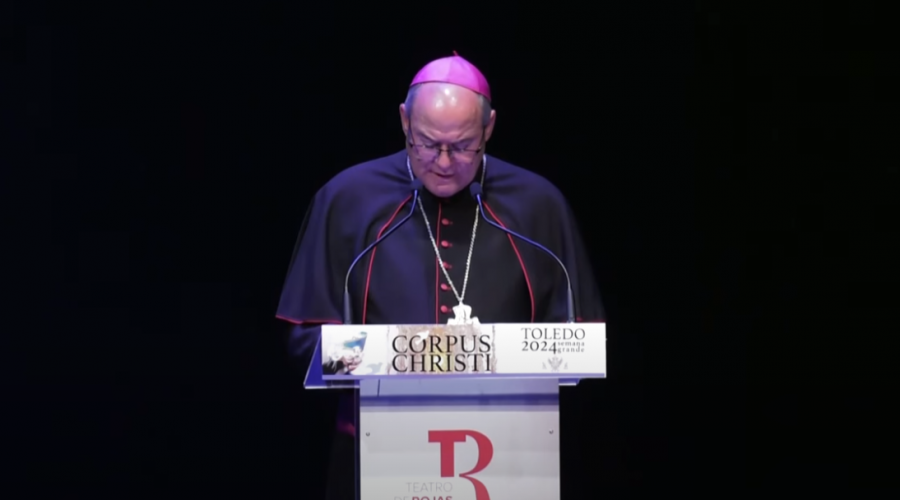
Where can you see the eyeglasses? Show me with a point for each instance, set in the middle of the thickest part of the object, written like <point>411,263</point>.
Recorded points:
<point>431,153</point>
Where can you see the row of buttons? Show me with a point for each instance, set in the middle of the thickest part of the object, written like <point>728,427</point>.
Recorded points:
<point>446,244</point>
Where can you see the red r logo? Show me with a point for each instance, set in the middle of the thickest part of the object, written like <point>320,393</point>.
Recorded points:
<point>448,440</point>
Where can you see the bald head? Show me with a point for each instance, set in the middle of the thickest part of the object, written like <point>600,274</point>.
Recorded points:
<point>445,97</point>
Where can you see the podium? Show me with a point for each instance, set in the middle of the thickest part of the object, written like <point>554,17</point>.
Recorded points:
<point>457,412</point>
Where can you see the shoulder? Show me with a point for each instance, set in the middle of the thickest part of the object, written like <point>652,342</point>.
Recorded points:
<point>376,174</point>
<point>507,181</point>
<point>369,180</point>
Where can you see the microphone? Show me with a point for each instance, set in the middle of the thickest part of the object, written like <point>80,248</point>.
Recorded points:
<point>475,190</point>
<point>415,186</point>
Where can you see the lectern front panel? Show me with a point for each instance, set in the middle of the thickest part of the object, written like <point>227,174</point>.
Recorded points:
<point>459,440</point>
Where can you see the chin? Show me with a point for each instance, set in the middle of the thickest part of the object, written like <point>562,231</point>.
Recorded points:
<point>443,190</point>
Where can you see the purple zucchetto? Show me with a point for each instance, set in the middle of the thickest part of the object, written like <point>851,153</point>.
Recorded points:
<point>455,70</point>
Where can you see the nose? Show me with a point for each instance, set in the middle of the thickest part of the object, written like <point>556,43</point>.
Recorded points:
<point>443,160</point>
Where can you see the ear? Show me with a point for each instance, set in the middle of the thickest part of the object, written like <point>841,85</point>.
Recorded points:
<point>404,119</point>
<point>489,130</point>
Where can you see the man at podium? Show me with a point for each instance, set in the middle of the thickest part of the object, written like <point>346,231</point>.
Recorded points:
<point>451,261</point>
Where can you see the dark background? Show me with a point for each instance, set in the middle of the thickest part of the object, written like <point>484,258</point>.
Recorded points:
<point>166,155</point>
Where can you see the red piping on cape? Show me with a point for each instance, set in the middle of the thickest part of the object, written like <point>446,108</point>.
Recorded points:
<point>309,321</point>
<point>437,272</point>
<point>372,258</point>
<point>336,322</point>
<point>346,428</point>
<point>518,255</point>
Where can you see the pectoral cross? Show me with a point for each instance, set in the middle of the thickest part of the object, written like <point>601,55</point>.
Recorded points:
<point>462,315</point>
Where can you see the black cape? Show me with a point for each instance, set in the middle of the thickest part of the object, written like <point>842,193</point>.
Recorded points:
<point>400,282</point>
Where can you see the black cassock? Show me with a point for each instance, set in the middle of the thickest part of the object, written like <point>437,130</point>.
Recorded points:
<point>400,281</point>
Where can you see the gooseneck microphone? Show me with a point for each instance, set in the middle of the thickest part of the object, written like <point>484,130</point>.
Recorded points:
<point>415,186</point>
<point>475,189</point>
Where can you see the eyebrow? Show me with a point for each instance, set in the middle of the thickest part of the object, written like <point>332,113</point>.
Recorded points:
<point>428,138</point>
<point>423,135</point>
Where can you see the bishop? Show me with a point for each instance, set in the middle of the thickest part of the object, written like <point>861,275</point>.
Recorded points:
<point>443,266</point>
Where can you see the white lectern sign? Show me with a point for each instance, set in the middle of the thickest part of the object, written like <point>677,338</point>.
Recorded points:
<point>510,349</point>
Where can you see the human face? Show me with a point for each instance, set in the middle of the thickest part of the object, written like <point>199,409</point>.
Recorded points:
<point>445,138</point>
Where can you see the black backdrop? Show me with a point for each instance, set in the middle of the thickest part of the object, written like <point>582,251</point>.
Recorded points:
<point>184,146</point>
<point>171,152</point>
